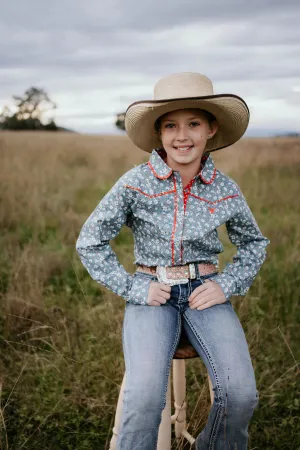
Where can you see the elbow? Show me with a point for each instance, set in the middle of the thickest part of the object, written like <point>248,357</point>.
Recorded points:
<point>80,246</point>
<point>262,243</point>
<point>266,242</point>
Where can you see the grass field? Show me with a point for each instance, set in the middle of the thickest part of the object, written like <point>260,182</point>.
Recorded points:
<point>61,359</point>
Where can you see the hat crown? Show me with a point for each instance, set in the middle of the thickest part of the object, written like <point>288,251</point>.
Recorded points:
<point>183,85</point>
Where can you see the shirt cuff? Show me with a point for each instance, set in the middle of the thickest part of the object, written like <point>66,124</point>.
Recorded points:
<point>138,293</point>
<point>226,282</point>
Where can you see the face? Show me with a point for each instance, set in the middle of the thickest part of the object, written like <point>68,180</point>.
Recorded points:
<point>184,134</point>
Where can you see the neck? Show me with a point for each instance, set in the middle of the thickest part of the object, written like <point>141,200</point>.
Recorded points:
<point>187,171</point>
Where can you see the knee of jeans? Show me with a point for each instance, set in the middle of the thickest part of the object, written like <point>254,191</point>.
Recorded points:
<point>144,397</point>
<point>243,400</point>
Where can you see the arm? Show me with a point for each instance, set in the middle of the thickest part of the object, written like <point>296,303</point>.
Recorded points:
<point>243,231</point>
<point>95,251</point>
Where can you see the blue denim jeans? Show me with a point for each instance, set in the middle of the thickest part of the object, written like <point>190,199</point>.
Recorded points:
<point>150,337</point>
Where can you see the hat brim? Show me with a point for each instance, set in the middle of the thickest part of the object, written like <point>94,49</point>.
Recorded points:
<point>231,112</point>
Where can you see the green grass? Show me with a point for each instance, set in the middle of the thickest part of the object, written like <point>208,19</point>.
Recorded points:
<point>61,351</point>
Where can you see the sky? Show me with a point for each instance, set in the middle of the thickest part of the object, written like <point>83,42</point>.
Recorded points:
<point>94,58</point>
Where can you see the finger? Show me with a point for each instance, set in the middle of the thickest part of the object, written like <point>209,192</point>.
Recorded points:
<point>217,287</point>
<point>154,303</point>
<point>201,301</point>
<point>198,290</point>
<point>161,299</point>
<point>164,287</point>
<point>164,294</point>
<point>207,305</point>
<point>204,297</point>
<point>212,284</point>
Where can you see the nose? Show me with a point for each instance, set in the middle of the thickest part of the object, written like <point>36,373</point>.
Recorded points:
<point>181,134</point>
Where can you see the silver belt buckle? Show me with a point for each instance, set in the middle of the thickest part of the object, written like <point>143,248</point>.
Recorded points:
<point>161,272</point>
<point>192,271</point>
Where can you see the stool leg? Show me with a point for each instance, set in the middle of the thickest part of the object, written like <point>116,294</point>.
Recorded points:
<point>164,432</point>
<point>116,428</point>
<point>179,385</point>
<point>211,390</point>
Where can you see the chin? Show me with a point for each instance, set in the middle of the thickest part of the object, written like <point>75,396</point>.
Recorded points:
<point>184,158</point>
<point>189,157</point>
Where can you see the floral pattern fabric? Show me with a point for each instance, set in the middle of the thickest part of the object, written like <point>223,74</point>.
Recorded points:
<point>172,225</point>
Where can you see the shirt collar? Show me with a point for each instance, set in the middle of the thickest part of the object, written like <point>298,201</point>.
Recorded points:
<point>162,171</point>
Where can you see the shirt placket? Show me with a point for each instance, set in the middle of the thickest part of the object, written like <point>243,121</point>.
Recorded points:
<point>180,202</point>
<point>186,194</point>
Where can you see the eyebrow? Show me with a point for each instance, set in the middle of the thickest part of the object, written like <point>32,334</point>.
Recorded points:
<point>172,120</point>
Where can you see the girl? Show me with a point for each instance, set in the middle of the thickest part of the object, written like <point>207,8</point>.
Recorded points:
<point>174,204</point>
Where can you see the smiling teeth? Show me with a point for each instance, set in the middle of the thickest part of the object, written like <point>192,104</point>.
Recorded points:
<point>183,148</point>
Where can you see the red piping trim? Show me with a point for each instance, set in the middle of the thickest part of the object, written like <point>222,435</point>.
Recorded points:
<point>174,222</point>
<point>149,195</point>
<point>212,178</point>
<point>153,170</point>
<point>217,201</point>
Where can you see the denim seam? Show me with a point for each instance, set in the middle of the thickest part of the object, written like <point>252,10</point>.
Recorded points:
<point>125,385</point>
<point>176,342</point>
<point>218,417</point>
<point>181,299</point>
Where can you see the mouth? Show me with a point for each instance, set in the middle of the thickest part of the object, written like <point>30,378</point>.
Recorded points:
<point>183,149</point>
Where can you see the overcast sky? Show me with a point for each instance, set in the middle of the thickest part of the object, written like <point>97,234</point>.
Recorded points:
<point>94,58</point>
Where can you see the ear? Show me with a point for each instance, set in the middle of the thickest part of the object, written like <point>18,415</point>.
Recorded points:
<point>213,128</point>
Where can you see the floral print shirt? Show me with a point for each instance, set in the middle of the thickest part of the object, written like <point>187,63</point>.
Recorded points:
<point>172,225</point>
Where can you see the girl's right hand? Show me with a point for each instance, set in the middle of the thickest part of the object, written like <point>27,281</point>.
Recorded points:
<point>158,294</point>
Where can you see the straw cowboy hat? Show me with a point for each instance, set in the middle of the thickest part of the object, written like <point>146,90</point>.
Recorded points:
<point>187,90</point>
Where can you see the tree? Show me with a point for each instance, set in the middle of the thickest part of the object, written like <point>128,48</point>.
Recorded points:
<point>30,109</point>
<point>120,122</point>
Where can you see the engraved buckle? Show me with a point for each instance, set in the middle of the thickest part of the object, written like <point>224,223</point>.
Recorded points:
<point>161,272</point>
<point>192,270</point>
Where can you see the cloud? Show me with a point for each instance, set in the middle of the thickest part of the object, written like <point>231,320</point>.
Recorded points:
<point>95,58</point>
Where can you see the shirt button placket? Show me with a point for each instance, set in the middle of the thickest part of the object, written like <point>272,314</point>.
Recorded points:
<point>179,218</point>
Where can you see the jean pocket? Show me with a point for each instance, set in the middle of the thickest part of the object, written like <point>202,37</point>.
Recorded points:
<point>200,281</point>
<point>196,283</point>
<point>209,275</point>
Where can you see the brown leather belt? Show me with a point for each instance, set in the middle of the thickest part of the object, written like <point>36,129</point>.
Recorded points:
<point>178,274</point>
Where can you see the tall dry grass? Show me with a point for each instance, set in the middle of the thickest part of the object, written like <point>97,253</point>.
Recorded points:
<point>61,353</point>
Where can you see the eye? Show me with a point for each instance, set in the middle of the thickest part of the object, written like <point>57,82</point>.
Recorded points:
<point>194,124</point>
<point>169,125</point>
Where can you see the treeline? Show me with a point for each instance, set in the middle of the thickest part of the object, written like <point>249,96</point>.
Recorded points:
<point>28,112</point>
<point>120,122</point>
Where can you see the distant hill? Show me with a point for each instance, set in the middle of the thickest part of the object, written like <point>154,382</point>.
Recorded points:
<point>58,129</point>
<point>290,134</point>
<point>265,132</point>
<point>66,129</point>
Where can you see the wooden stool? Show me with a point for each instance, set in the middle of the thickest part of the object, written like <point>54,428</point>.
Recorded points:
<point>184,351</point>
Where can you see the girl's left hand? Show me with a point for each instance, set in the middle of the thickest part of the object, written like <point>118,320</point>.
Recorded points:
<point>206,295</point>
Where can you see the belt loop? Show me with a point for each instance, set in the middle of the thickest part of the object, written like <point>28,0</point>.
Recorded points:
<point>198,277</point>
